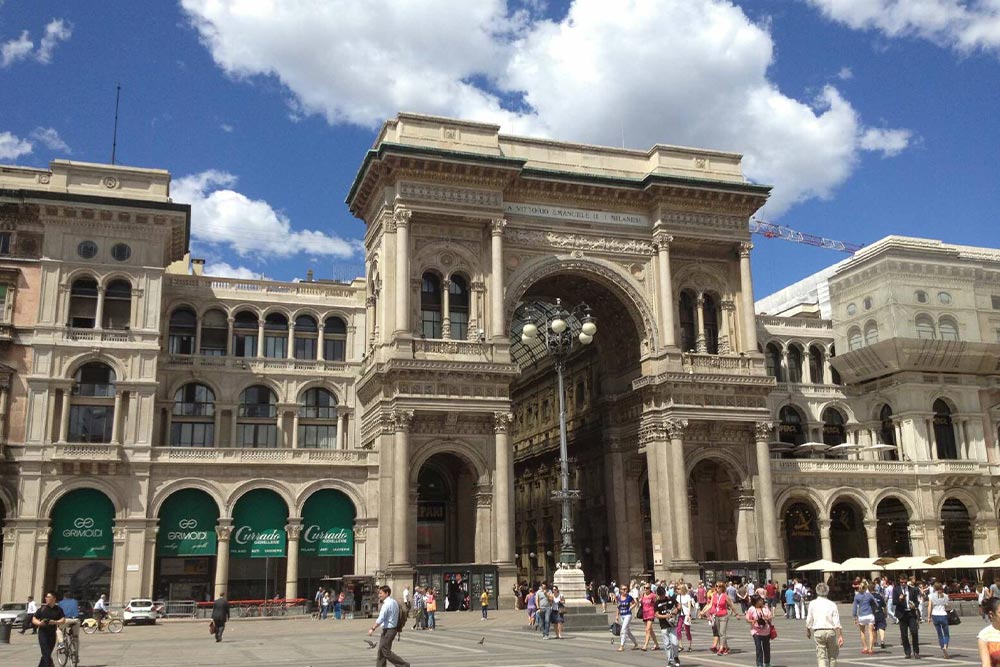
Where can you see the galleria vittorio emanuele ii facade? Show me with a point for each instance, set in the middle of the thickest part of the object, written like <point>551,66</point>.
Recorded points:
<point>174,434</point>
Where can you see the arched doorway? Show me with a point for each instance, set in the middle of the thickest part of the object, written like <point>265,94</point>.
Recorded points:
<point>714,492</point>
<point>847,531</point>
<point>186,546</point>
<point>326,544</point>
<point>892,530</point>
<point>446,511</point>
<point>258,546</point>
<point>81,545</point>
<point>957,528</point>
<point>944,431</point>
<point>802,544</point>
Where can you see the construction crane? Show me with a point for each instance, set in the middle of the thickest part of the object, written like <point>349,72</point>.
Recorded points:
<point>772,231</point>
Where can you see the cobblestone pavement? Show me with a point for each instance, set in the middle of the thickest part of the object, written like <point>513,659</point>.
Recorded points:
<point>304,642</point>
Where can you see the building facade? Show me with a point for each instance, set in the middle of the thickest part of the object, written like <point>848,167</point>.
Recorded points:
<point>173,434</point>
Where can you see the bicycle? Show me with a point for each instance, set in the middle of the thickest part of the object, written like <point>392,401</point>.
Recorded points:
<point>112,624</point>
<point>68,650</point>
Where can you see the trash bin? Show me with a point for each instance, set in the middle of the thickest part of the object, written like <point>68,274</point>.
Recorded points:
<point>5,627</point>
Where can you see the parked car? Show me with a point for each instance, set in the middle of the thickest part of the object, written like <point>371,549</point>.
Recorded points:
<point>140,610</point>
<point>13,612</point>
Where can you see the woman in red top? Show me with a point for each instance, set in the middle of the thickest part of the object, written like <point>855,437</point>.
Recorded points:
<point>648,602</point>
<point>718,609</point>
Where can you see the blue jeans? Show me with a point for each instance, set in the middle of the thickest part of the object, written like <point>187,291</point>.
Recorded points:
<point>484,611</point>
<point>546,615</point>
<point>762,647</point>
<point>430,620</point>
<point>324,610</point>
<point>941,625</point>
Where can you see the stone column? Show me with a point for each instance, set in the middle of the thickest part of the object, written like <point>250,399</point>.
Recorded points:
<point>700,343</point>
<point>260,339</point>
<point>827,368</point>
<point>401,218</point>
<point>655,477</point>
<point>341,440</point>
<point>64,417</point>
<point>319,342</point>
<point>401,486</point>
<point>291,341</point>
<point>682,509</point>
<point>222,532</point>
<point>475,312</point>
<point>496,278</point>
<point>229,336</point>
<point>293,530</point>
<point>662,241</point>
<point>295,429</point>
<point>503,488</point>
<point>99,312</point>
<point>197,335</point>
<point>762,433</point>
<point>234,415</point>
<point>726,342</point>
<point>116,418</point>
<point>807,370</point>
<point>871,532</point>
<point>746,292</point>
<point>216,426</point>
<point>784,365</point>
<point>446,309</point>
<point>824,539</point>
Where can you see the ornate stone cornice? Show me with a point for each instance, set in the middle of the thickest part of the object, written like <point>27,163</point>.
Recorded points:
<point>449,195</point>
<point>763,431</point>
<point>502,421</point>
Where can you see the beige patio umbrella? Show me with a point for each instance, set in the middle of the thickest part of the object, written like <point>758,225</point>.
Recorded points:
<point>818,566</point>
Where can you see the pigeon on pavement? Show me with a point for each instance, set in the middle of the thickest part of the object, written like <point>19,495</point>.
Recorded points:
<point>370,643</point>
<point>482,641</point>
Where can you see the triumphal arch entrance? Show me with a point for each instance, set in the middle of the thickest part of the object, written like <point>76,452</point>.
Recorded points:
<point>469,233</point>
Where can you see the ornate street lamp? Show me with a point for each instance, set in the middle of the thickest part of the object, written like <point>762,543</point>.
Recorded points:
<point>559,340</point>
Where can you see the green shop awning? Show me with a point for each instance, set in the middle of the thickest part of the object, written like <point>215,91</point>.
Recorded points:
<point>82,522</point>
<point>187,525</point>
<point>259,520</point>
<point>327,525</point>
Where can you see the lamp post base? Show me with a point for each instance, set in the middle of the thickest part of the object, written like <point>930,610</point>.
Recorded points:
<point>572,585</point>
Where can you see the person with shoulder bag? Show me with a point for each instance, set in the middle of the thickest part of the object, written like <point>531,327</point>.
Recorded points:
<point>937,613</point>
<point>760,618</point>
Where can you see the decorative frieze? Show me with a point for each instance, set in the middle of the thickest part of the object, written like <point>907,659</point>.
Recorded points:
<point>601,244</point>
<point>441,194</point>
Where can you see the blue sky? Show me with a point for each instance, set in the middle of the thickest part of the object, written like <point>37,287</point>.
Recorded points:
<point>868,116</point>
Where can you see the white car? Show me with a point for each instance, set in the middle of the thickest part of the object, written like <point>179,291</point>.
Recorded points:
<point>140,609</point>
<point>13,612</point>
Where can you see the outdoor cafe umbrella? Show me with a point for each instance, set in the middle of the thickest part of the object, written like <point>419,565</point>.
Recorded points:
<point>818,566</point>
<point>811,448</point>
<point>968,562</point>
<point>914,562</point>
<point>846,448</point>
<point>864,564</point>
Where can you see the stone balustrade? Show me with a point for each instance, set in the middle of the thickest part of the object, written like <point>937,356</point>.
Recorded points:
<point>257,364</point>
<point>264,456</point>
<point>86,451</point>
<point>240,288</point>
<point>864,467</point>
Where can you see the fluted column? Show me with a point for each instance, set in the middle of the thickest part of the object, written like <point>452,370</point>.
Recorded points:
<point>401,218</point>
<point>496,277</point>
<point>762,434</point>
<point>222,532</point>
<point>401,486</point>
<point>682,509</point>
<point>746,292</point>
<point>824,539</point>
<point>293,530</point>
<point>662,241</point>
<point>656,477</point>
<point>503,488</point>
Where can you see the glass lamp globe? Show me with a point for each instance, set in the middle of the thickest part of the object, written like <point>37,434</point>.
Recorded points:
<point>525,338</point>
<point>558,325</point>
<point>530,330</point>
<point>589,327</point>
<point>585,339</point>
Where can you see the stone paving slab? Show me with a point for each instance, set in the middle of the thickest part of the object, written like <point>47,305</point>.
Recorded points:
<point>305,642</point>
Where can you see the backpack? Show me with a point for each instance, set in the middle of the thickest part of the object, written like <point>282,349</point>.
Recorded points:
<point>404,616</point>
<point>796,597</point>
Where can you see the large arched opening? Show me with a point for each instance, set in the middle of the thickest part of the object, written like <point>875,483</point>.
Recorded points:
<point>258,546</point>
<point>326,543</point>
<point>802,542</point>
<point>714,492</point>
<point>446,511</point>
<point>81,545</point>
<point>186,544</point>
<point>848,538</point>
<point>892,529</point>
<point>956,527</point>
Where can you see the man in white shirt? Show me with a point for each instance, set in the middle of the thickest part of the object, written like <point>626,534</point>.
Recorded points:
<point>100,608</point>
<point>406,597</point>
<point>388,618</point>
<point>30,611</point>
<point>823,625</point>
<point>800,600</point>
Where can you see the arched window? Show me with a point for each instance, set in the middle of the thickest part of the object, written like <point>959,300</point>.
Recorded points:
<point>193,420</point>
<point>183,324</point>
<point>334,339</point>
<point>92,408</point>
<point>794,364</point>
<point>117,305</point>
<point>957,525</point>
<point>834,375</point>
<point>430,306</point>
<point>772,357</point>
<point>854,339</point>
<point>458,307</point>
<point>790,428</point>
<point>944,431</point>
<point>710,313</point>
<point>256,424</point>
<point>816,364</point>
<point>871,333</point>
<point>83,303</point>
<point>318,420</point>
<point>686,309</point>
<point>275,336</point>
<point>214,330</point>
<point>833,427</point>
<point>306,336</point>
<point>245,334</point>
<point>948,328</point>
<point>925,327</point>
<point>887,432</point>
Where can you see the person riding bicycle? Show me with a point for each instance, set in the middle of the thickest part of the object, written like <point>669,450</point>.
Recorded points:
<point>48,617</point>
<point>100,609</point>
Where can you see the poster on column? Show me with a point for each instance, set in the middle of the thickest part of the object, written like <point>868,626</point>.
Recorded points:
<point>259,526</point>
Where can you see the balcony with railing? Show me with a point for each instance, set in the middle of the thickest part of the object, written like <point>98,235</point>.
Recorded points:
<point>258,364</point>
<point>223,455</point>
<point>86,451</point>
<point>243,289</point>
<point>854,468</point>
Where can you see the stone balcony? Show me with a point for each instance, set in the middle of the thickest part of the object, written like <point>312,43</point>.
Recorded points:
<point>243,289</point>
<point>810,390</point>
<point>853,468</point>
<point>212,455</point>
<point>257,364</point>
<point>86,451</point>
<point>441,348</point>
<point>99,336</point>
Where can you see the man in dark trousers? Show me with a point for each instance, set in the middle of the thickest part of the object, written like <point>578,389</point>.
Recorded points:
<point>906,599</point>
<point>388,618</point>
<point>46,619</point>
<point>220,614</point>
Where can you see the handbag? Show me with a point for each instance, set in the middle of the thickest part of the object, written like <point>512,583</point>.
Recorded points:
<point>954,618</point>
<point>432,605</point>
<point>616,629</point>
<point>774,632</point>
<point>211,627</point>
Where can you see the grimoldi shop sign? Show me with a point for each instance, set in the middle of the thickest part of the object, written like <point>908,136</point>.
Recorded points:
<point>259,526</point>
<point>187,525</point>
<point>82,524</point>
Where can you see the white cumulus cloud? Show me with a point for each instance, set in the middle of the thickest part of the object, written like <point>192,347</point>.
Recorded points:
<point>56,31</point>
<point>16,49</point>
<point>888,142</point>
<point>691,72</point>
<point>13,147</point>
<point>221,216</point>
<point>49,137</point>
<point>226,270</point>
<point>964,25</point>
<point>23,47</point>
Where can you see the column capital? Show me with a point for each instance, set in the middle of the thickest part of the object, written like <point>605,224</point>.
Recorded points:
<point>400,218</point>
<point>223,532</point>
<point>745,248</point>
<point>401,420</point>
<point>502,421</point>
<point>662,240</point>
<point>293,529</point>
<point>763,431</point>
<point>824,526</point>
<point>675,428</point>
<point>497,225</point>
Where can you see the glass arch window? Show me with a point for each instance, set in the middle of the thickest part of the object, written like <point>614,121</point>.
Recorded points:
<point>117,305</point>
<point>83,304</point>
<point>854,339</point>
<point>790,427</point>
<point>948,328</point>
<point>833,427</point>
<point>245,334</point>
<point>816,364</point>
<point>887,432</point>
<point>458,307</point>
<point>192,422</point>
<point>430,306</point>
<point>925,327</point>
<point>318,419</point>
<point>794,364</point>
<point>710,313</point>
<point>306,336</point>
<point>871,333</point>
<point>334,339</point>
<point>92,410</point>
<point>686,310</point>
<point>214,331</point>
<point>772,358</point>
<point>275,336</point>
<point>183,325</point>
<point>944,431</point>
<point>256,425</point>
